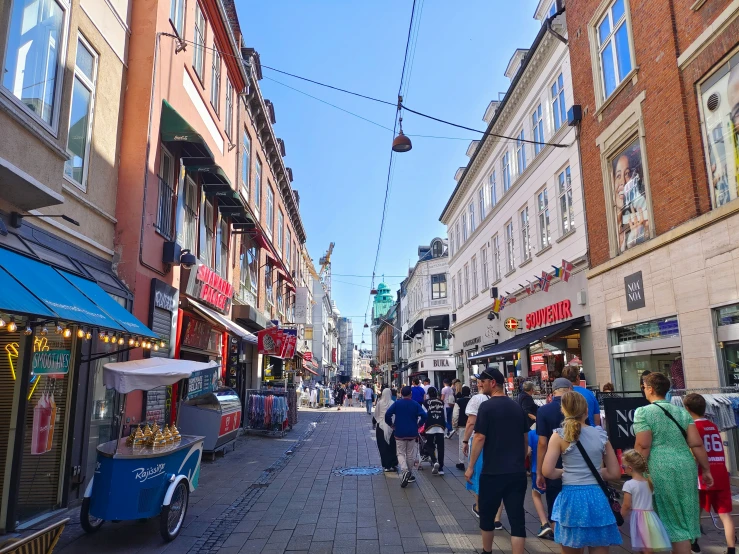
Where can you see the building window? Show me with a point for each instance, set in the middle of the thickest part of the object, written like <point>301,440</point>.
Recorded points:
<point>258,188</point>
<point>80,115</point>
<point>567,213</point>
<point>288,247</point>
<point>484,266</point>
<point>280,227</point>
<point>245,164</point>
<point>249,266</point>
<point>720,113</point>
<point>451,242</point>
<point>268,286</point>
<point>496,258</point>
<point>464,227</point>
<point>270,209</point>
<point>537,122</point>
<point>166,195</point>
<point>177,15</point>
<point>466,282</point>
<point>187,215</point>
<point>460,298</point>
<point>525,236</point>
<point>510,248</point>
<point>33,56</point>
<point>630,197</point>
<point>438,286</point>
<point>552,9</point>
<point>207,221</point>
<point>215,77</point>
<point>458,235</point>
<point>222,251</point>
<point>493,191</point>
<point>441,340</point>
<point>505,165</point>
<point>198,54</point>
<point>280,294</point>
<point>473,263</point>
<point>229,108</point>
<point>454,293</point>
<point>521,152</point>
<point>542,212</point>
<point>559,108</point>
<point>437,249</point>
<point>472,217</point>
<point>614,48</point>
<point>481,202</point>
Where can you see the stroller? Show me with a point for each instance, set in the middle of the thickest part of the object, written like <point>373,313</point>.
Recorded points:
<point>425,449</point>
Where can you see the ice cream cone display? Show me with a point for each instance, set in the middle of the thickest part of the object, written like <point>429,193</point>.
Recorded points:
<point>129,438</point>
<point>175,433</point>
<point>139,438</point>
<point>148,432</point>
<point>168,435</point>
<point>159,440</point>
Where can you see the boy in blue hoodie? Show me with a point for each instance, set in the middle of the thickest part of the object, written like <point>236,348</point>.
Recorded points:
<point>405,416</point>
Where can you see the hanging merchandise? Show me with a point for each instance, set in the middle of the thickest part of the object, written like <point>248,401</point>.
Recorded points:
<point>722,404</point>
<point>43,424</point>
<point>267,412</point>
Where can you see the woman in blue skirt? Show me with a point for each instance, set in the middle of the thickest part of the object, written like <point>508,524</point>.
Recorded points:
<point>582,513</point>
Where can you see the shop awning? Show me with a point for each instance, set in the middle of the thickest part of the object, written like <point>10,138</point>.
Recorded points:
<point>309,370</point>
<point>14,298</point>
<point>417,329</point>
<point>519,342</point>
<point>58,295</point>
<point>223,321</point>
<point>175,128</point>
<point>437,322</point>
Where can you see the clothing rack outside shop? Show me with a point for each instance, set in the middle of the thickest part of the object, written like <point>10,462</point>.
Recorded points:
<point>267,412</point>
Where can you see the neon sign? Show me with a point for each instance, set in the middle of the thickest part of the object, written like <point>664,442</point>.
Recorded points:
<point>40,344</point>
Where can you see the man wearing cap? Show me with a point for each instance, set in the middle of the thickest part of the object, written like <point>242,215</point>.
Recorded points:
<point>408,415</point>
<point>548,418</point>
<point>501,432</point>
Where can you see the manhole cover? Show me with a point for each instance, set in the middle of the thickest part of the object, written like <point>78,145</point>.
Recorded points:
<point>360,471</point>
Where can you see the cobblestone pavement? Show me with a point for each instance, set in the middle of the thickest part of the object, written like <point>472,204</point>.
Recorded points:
<point>284,495</point>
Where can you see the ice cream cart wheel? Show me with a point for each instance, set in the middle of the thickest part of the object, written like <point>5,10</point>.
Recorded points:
<point>89,522</point>
<point>173,514</point>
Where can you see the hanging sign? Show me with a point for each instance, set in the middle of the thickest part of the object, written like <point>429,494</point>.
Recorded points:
<point>550,314</point>
<point>51,362</point>
<point>308,356</point>
<point>209,287</point>
<point>511,324</point>
<point>634,285</point>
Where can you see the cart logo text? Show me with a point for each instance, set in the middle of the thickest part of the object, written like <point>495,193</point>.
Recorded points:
<point>145,473</point>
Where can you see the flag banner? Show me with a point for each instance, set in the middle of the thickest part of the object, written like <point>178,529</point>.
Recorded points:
<point>496,306</point>
<point>546,279</point>
<point>511,299</point>
<point>503,302</point>
<point>557,271</point>
<point>566,270</point>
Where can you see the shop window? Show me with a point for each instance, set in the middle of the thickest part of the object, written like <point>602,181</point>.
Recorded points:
<point>537,123</point>
<point>614,48</point>
<point>542,208</point>
<point>187,215</point>
<point>438,286</point>
<point>649,330</point>
<point>720,107</point>
<point>505,167</point>
<point>521,152</point>
<point>630,205</point>
<point>166,195</point>
<point>33,55</point>
<point>441,340</point>
<point>245,165</point>
<point>525,236</point>
<point>728,315</point>
<point>198,56</point>
<point>215,81</point>
<point>566,211</point>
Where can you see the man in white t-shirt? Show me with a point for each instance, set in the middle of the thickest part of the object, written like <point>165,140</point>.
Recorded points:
<point>426,385</point>
<point>447,396</point>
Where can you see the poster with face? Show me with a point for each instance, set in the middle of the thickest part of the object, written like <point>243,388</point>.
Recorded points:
<point>720,104</point>
<point>630,200</point>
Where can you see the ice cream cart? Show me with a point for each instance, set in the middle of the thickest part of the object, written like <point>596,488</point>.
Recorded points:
<point>136,478</point>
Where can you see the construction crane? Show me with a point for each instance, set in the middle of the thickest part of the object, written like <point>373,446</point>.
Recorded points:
<point>325,273</point>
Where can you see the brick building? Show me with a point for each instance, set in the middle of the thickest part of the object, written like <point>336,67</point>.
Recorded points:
<point>658,87</point>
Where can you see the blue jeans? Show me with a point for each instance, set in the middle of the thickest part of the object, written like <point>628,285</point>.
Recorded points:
<point>449,412</point>
<point>369,405</point>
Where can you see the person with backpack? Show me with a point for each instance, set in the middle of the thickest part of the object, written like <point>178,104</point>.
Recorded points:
<point>435,430</point>
<point>459,421</point>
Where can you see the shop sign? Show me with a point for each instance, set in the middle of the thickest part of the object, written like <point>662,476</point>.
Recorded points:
<point>290,343</point>
<point>634,285</point>
<point>308,356</point>
<point>333,355</point>
<point>550,314</point>
<point>197,334</point>
<point>165,297</point>
<point>206,285</point>
<point>229,422</point>
<point>511,324</point>
<point>476,340</point>
<point>202,382</point>
<point>620,420</point>
<point>51,362</point>
<point>444,362</point>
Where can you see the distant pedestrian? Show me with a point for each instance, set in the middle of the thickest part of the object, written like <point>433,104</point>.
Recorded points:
<point>457,386</point>
<point>405,416</point>
<point>369,394</point>
<point>459,421</point>
<point>435,430</point>
<point>426,385</point>
<point>447,397</point>
<point>340,394</point>
<point>572,374</point>
<point>355,395</point>
<point>526,401</point>
<point>384,433</point>
<point>582,513</point>
<point>418,393</point>
<point>501,433</point>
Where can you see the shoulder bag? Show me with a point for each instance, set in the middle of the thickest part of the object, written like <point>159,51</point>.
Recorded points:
<point>610,492</point>
<point>668,414</point>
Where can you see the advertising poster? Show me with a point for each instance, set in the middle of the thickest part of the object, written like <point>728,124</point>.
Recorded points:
<point>630,200</point>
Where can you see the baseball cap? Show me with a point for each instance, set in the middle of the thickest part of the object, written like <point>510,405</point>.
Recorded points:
<point>561,383</point>
<point>406,391</point>
<point>492,374</point>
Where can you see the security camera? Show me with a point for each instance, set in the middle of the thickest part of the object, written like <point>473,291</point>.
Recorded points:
<point>188,259</point>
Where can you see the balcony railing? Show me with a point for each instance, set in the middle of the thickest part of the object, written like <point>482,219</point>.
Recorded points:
<point>165,209</point>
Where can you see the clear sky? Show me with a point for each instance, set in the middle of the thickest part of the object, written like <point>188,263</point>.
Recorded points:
<point>339,161</point>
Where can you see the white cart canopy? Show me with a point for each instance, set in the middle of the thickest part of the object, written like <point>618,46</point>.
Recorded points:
<point>149,373</point>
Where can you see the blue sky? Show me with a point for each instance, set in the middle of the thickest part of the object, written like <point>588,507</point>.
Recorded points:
<point>339,161</point>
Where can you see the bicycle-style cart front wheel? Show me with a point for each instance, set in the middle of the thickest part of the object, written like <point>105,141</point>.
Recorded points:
<point>173,514</point>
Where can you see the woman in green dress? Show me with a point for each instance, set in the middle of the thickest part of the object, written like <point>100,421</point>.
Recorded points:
<point>666,442</point>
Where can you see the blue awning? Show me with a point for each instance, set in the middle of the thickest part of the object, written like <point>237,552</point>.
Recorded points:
<point>103,300</point>
<point>14,298</point>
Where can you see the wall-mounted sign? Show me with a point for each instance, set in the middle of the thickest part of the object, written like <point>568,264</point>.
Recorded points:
<point>199,334</point>
<point>206,285</point>
<point>202,382</point>
<point>444,362</point>
<point>51,362</point>
<point>550,314</point>
<point>634,285</point>
<point>470,342</point>
<point>308,356</point>
<point>511,324</point>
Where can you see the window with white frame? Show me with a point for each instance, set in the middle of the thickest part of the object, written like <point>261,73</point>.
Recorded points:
<point>493,191</point>
<point>80,114</point>
<point>458,235</point>
<point>542,214</point>
<point>166,195</point>
<point>198,52</point>
<point>496,259</point>
<point>270,209</point>
<point>510,247</point>
<point>441,340</point>
<point>481,203</point>
<point>464,227</point>
<point>228,124</point>
<point>207,234</point>
<point>466,282</point>
<point>566,212</point>
<point>521,152</point>
<point>437,249</point>
<point>249,266</point>
<point>484,267</point>
<point>280,227</point>
<point>177,15</point>
<point>525,235</point>
<point>451,242</point>
<point>460,298</point>
<point>473,263</point>
<point>215,78</point>
<point>505,167</point>
<point>438,286</point>
<point>559,108</point>
<point>187,215</point>
<point>245,164</point>
<point>552,8</point>
<point>288,247</point>
<point>268,283</point>
<point>222,251</point>
<point>537,122</point>
<point>258,188</point>
<point>32,69</point>
<point>454,293</point>
<point>471,209</point>
<point>614,49</point>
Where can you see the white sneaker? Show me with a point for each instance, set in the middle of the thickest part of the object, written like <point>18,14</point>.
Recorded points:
<point>441,471</point>
<point>451,433</point>
<point>435,471</point>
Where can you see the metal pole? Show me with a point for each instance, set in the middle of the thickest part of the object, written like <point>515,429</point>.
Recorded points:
<point>120,423</point>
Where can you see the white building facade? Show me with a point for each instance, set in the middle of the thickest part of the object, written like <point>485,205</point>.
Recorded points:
<point>515,215</point>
